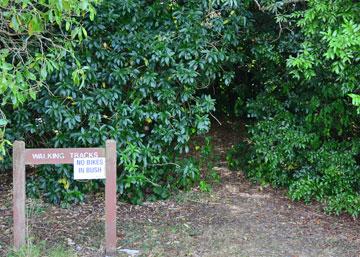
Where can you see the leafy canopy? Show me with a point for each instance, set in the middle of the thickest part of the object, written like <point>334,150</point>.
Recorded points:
<point>35,36</point>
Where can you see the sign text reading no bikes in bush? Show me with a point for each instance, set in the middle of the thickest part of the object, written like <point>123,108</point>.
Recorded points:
<point>89,163</point>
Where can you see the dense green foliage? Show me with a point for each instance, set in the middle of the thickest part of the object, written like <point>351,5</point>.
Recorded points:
<point>152,71</point>
<point>146,66</point>
<point>34,37</point>
<point>305,132</point>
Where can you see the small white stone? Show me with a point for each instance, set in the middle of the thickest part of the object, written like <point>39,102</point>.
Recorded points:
<point>130,252</point>
<point>70,241</point>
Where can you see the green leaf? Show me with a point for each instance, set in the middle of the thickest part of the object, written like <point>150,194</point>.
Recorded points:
<point>43,72</point>
<point>32,94</point>
<point>4,3</point>
<point>35,25</point>
<point>3,122</point>
<point>14,23</point>
<point>84,31</point>
<point>31,76</point>
<point>67,26</point>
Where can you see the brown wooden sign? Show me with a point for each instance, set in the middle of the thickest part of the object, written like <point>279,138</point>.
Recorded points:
<point>61,155</point>
<point>22,157</point>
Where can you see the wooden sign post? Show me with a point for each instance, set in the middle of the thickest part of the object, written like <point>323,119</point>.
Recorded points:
<point>92,158</point>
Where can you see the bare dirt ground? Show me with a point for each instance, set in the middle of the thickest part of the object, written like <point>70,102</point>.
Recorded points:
<point>236,218</point>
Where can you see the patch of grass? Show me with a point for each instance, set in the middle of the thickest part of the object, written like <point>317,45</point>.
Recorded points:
<point>61,251</point>
<point>28,250</point>
<point>197,197</point>
<point>42,250</point>
<point>35,207</point>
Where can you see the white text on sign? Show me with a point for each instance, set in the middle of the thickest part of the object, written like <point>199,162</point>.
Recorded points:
<point>89,168</point>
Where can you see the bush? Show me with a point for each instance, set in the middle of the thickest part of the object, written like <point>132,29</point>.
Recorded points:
<point>277,144</point>
<point>304,130</point>
<point>331,175</point>
<point>145,65</point>
<point>284,154</point>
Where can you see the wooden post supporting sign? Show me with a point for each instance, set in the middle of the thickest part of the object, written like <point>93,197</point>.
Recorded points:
<point>110,198</point>
<point>19,193</point>
<point>89,163</point>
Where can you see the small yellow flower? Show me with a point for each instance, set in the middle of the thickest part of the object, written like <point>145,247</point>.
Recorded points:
<point>65,183</point>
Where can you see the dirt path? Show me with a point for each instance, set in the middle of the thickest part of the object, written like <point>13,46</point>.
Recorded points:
<point>236,219</point>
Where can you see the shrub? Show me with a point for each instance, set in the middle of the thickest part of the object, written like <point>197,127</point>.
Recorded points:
<point>304,132</point>
<point>284,154</point>
<point>145,65</point>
